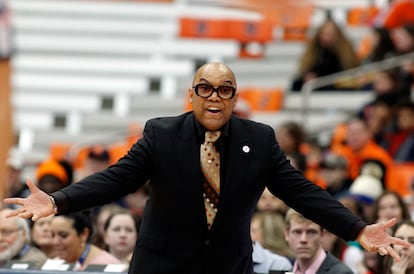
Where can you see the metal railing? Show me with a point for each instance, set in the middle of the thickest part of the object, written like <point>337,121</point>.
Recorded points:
<point>313,84</point>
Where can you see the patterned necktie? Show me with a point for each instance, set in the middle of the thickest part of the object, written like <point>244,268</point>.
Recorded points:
<point>210,166</point>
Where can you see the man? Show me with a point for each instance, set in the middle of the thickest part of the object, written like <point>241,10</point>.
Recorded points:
<point>360,147</point>
<point>15,187</point>
<point>305,239</point>
<point>15,242</point>
<point>178,233</point>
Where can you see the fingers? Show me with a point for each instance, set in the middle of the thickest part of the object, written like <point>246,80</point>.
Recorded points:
<point>16,201</point>
<point>31,185</point>
<point>393,254</point>
<point>382,251</point>
<point>397,241</point>
<point>25,214</point>
<point>390,223</point>
<point>13,213</point>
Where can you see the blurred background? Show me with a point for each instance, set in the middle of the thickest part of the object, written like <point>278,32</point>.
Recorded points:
<point>80,73</point>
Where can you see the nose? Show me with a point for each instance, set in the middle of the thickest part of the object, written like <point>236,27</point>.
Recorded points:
<point>303,237</point>
<point>214,96</point>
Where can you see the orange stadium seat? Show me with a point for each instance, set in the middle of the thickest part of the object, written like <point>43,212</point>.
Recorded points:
<point>295,25</point>
<point>263,99</point>
<point>241,30</point>
<point>360,16</point>
<point>203,28</point>
<point>402,178</point>
<point>247,31</point>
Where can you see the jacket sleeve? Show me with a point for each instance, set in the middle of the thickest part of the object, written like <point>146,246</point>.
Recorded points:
<point>309,199</point>
<point>124,177</point>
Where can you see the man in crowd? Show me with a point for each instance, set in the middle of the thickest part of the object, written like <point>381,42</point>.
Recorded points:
<point>15,244</point>
<point>305,239</point>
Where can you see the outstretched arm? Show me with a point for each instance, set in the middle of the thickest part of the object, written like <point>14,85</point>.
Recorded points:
<point>38,204</point>
<point>375,238</point>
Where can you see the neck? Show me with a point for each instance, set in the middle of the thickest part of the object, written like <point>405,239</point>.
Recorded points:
<point>304,264</point>
<point>123,256</point>
<point>48,250</point>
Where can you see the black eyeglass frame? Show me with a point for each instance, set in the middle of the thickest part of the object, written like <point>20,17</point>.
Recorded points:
<point>216,90</point>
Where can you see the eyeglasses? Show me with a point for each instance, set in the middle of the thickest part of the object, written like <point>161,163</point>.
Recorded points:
<point>8,232</point>
<point>205,91</point>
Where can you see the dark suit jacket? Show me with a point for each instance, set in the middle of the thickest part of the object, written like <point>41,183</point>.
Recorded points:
<point>173,237</point>
<point>331,265</point>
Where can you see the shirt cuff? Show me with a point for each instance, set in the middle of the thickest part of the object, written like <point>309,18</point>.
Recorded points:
<point>61,201</point>
<point>356,229</point>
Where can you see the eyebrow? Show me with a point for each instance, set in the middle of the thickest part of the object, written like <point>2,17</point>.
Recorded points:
<point>226,81</point>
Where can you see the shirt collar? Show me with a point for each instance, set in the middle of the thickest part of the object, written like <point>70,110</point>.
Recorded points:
<point>201,130</point>
<point>313,268</point>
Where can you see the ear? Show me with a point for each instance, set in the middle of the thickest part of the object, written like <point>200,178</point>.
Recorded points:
<point>84,235</point>
<point>236,97</point>
<point>286,235</point>
<point>190,95</point>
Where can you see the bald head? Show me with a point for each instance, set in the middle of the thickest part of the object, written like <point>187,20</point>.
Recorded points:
<point>212,69</point>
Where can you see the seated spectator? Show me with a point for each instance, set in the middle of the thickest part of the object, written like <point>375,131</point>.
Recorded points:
<point>360,147</point>
<point>328,51</point>
<point>100,219</point>
<point>381,120</point>
<point>403,230</point>
<point>400,144</point>
<point>15,186</point>
<point>270,203</point>
<point>334,173</point>
<point>97,159</point>
<point>15,242</point>
<point>390,205</point>
<point>382,46</point>
<point>52,175</point>
<point>72,239</point>
<point>305,239</point>
<point>366,188</point>
<point>120,235</point>
<point>42,236</point>
<point>386,84</point>
<point>403,39</point>
<point>265,261</point>
<point>267,229</point>
<point>291,136</point>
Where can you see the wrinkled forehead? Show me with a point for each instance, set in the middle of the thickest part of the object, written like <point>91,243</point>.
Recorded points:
<point>7,222</point>
<point>215,73</point>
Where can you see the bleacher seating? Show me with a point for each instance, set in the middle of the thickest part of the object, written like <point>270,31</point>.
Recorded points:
<point>72,57</point>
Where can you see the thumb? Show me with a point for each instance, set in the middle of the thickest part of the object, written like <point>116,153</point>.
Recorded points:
<point>33,188</point>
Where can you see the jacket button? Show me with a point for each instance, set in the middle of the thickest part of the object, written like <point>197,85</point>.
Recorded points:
<point>207,242</point>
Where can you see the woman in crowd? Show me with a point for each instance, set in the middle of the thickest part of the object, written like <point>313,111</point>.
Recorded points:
<point>328,51</point>
<point>121,233</point>
<point>267,228</point>
<point>391,205</point>
<point>42,236</point>
<point>403,230</point>
<point>72,240</point>
<point>99,221</point>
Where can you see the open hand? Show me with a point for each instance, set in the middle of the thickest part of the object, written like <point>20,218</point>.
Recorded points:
<point>375,238</point>
<point>37,205</point>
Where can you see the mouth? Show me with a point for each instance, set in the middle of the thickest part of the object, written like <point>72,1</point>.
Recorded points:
<point>213,110</point>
